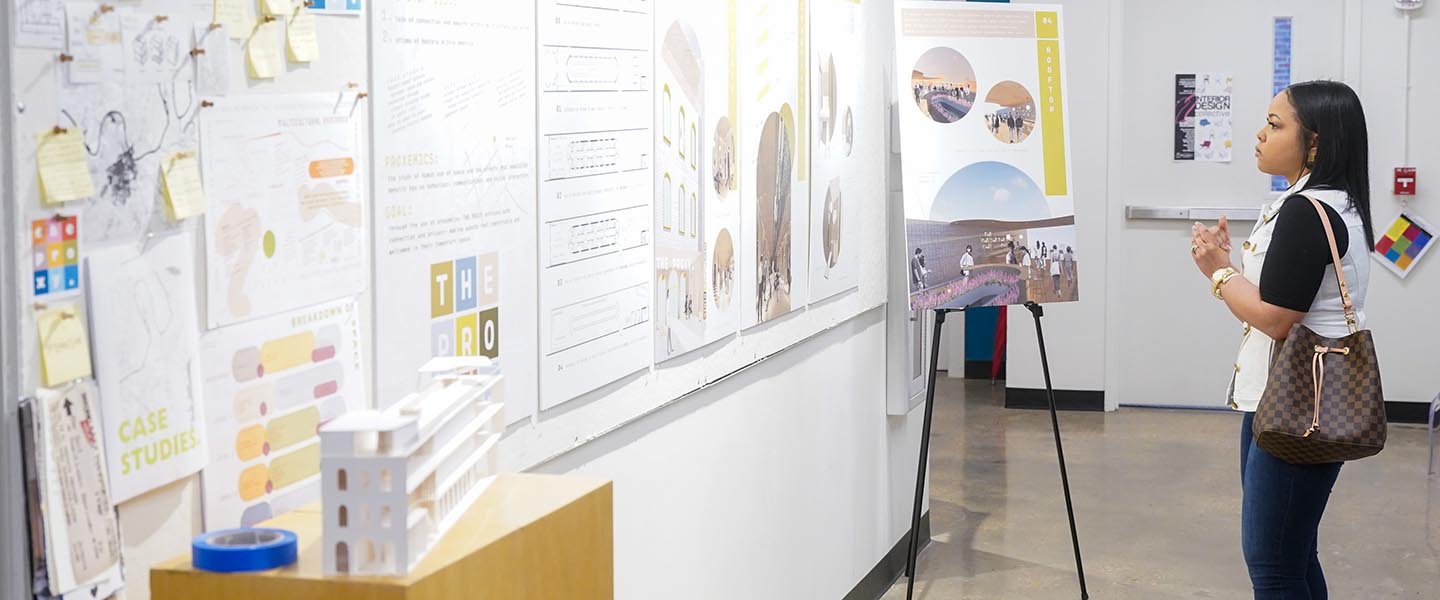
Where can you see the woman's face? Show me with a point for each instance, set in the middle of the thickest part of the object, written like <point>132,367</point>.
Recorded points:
<point>1279,151</point>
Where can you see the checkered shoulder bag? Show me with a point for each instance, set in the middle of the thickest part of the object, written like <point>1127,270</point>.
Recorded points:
<point>1322,403</point>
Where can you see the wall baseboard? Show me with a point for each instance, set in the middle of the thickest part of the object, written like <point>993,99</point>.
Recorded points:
<point>1407,412</point>
<point>980,369</point>
<point>1030,398</point>
<point>891,567</point>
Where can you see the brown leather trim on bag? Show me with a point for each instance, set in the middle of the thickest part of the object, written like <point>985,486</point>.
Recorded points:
<point>1339,269</point>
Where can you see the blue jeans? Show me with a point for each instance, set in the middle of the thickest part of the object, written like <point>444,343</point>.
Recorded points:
<point>1279,520</point>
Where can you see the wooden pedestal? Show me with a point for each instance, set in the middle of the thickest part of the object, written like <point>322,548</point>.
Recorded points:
<point>527,537</point>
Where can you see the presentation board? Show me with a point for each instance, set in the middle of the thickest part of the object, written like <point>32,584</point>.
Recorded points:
<point>286,223</point>
<point>269,384</point>
<point>836,97</point>
<point>146,362</point>
<point>774,164</point>
<point>989,215</point>
<point>595,193</point>
<point>697,211</point>
<point>455,193</point>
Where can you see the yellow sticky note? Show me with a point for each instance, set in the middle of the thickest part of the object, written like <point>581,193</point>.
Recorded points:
<point>184,194</point>
<point>275,8</point>
<point>262,52</point>
<point>60,158</point>
<point>231,14</point>
<point>64,349</point>
<point>301,39</point>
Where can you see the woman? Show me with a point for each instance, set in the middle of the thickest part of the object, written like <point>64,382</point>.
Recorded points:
<point>1315,136</point>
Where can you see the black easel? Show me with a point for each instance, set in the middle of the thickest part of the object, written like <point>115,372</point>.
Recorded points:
<point>1038,311</point>
<point>924,450</point>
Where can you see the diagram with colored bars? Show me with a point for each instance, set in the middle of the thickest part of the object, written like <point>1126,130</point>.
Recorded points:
<point>270,384</point>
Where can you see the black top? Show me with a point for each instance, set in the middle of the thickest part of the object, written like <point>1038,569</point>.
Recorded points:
<point>1299,254</point>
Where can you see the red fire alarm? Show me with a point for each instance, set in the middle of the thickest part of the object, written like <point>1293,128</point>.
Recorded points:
<point>1404,181</point>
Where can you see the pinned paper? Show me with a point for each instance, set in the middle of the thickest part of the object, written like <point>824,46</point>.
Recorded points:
<point>82,535</point>
<point>64,349</point>
<point>184,195</point>
<point>275,8</point>
<point>152,46</point>
<point>96,52</point>
<point>301,39</point>
<point>55,251</point>
<point>212,77</point>
<point>231,15</point>
<point>262,52</point>
<point>60,157</point>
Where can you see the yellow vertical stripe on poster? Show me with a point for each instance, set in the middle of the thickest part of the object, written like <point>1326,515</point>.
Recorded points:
<point>1052,118</point>
<point>734,106</point>
<point>802,118</point>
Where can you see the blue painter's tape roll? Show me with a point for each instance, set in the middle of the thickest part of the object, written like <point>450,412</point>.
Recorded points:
<point>243,550</point>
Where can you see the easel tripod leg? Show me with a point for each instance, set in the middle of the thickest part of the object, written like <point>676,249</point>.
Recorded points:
<point>1039,311</point>
<point>924,455</point>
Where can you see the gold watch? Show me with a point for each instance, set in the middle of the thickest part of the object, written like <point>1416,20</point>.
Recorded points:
<point>1219,278</point>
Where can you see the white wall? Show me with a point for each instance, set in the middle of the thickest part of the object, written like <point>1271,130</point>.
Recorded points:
<point>1401,312</point>
<point>789,482</point>
<point>1075,332</point>
<point>1170,342</point>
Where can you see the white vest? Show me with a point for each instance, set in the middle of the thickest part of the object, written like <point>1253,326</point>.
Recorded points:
<point>1327,314</point>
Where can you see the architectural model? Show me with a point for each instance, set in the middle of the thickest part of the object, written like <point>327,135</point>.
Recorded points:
<point>396,480</point>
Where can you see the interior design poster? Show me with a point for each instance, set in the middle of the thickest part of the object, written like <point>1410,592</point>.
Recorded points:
<point>146,340</point>
<point>269,384</point>
<point>774,166</point>
<point>989,218</point>
<point>455,192</point>
<point>285,223</point>
<point>697,209</point>
<point>596,189</point>
<point>838,100</point>
<point>1203,128</point>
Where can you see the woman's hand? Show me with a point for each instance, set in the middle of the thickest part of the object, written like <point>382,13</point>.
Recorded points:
<point>1221,232</point>
<point>1210,247</point>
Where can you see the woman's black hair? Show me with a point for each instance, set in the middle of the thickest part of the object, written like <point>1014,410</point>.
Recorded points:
<point>1331,118</point>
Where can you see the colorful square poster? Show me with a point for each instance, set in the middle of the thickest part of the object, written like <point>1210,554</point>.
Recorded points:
<point>1404,244</point>
<point>55,252</point>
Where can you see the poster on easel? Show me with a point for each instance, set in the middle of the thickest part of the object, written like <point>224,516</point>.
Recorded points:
<point>989,215</point>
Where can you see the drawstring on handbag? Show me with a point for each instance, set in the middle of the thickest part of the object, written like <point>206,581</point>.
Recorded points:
<point>1317,367</point>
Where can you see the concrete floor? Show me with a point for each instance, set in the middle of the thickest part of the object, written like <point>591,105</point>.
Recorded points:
<point>1157,499</point>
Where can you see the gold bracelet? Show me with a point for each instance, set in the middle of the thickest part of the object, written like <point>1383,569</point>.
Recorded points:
<point>1219,278</point>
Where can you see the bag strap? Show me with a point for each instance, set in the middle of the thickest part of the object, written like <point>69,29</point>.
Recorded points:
<point>1339,270</point>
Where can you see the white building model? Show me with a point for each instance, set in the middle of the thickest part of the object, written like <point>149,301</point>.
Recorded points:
<point>396,480</point>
